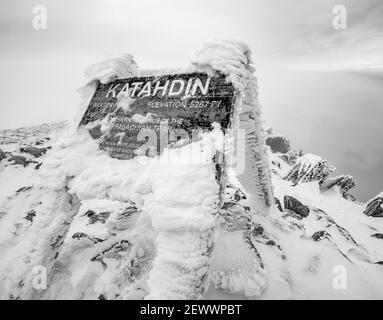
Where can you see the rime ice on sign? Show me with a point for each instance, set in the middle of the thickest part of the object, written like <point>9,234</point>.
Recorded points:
<point>126,113</point>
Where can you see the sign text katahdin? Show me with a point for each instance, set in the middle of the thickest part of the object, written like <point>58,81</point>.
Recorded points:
<point>135,109</point>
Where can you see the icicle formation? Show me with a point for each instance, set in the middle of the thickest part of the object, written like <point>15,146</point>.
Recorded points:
<point>256,156</point>
<point>308,168</point>
<point>375,206</point>
<point>234,59</point>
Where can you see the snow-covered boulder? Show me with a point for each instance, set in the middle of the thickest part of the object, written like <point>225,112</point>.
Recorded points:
<point>374,207</point>
<point>296,206</point>
<point>36,152</point>
<point>308,168</point>
<point>320,235</point>
<point>278,143</point>
<point>2,155</point>
<point>18,160</point>
<point>343,182</point>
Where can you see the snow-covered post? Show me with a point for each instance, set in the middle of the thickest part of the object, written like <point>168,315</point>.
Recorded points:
<point>236,267</point>
<point>234,59</point>
<point>187,232</point>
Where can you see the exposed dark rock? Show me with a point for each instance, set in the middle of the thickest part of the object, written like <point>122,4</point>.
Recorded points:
<point>320,235</point>
<point>248,239</point>
<point>22,189</point>
<point>278,143</point>
<point>239,195</point>
<point>278,203</point>
<point>79,235</point>
<point>128,211</point>
<point>57,242</point>
<point>375,207</point>
<point>270,243</point>
<point>37,167</point>
<point>112,252</point>
<point>19,160</point>
<point>257,230</point>
<point>36,152</point>
<point>97,216</point>
<point>30,215</point>
<point>2,155</point>
<point>377,235</point>
<point>321,215</point>
<point>296,206</point>
<point>96,132</point>
<point>82,235</point>
<point>344,182</point>
<point>310,168</point>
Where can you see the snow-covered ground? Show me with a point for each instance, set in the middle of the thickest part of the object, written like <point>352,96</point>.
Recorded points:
<point>105,248</point>
<point>76,223</point>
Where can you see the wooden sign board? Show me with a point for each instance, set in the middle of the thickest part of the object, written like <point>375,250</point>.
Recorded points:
<point>142,104</point>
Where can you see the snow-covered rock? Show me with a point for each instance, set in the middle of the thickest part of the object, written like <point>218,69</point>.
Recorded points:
<point>308,168</point>
<point>34,151</point>
<point>278,143</point>
<point>374,207</point>
<point>344,183</point>
<point>290,203</point>
<point>109,248</point>
<point>2,155</point>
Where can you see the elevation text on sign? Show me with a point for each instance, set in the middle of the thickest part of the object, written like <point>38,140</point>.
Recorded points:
<point>136,108</point>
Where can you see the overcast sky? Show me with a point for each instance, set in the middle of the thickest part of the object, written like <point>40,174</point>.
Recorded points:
<point>40,70</point>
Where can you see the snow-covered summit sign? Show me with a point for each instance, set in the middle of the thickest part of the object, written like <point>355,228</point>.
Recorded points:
<point>130,116</point>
